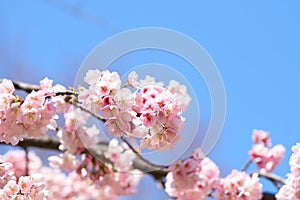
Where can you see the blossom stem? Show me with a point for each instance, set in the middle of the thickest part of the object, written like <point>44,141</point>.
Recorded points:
<point>272,177</point>
<point>247,164</point>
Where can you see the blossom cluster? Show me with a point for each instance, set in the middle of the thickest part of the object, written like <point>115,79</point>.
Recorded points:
<point>291,190</point>
<point>265,158</point>
<point>111,179</point>
<point>30,117</point>
<point>197,177</point>
<point>150,111</point>
<point>193,178</point>
<point>239,185</point>
<point>24,187</point>
<point>141,109</point>
<point>75,135</point>
<point>70,176</point>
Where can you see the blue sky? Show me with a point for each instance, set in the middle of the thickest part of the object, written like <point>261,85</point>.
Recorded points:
<point>255,45</point>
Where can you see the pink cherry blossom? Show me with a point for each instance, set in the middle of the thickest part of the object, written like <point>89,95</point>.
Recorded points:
<point>193,178</point>
<point>7,87</point>
<point>121,156</point>
<point>25,187</point>
<point>148,118</point>
<point>65,161</point>
<point>46,86</point>
<point>180,91</point>
<point>124,99</point>
<point>295,160</point>
<point>133,80</point>
<point>18,160</point>
<point>265,158</point>
<point>75,135</point>
<point>135,83</point>
<point>114,150</point>
<point>92,76</point>
<point>239,185</point>
<point>31,117</point>
<point>6,172</point>
<point>291,190</point>
<point>152,108</point>
<point>261,136</point>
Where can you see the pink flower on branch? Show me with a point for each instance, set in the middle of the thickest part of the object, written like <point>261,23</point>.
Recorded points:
<point>31,117</point>
<point>151,113</point>
<point>192,179</point>
<point>261,136</point>
<point>239,185</point>
<point>265,158</point>
<point>25,187</point>
<point>291,190</point>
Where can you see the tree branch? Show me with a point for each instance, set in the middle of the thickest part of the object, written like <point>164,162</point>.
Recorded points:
<point>97,150</point>
<point>24,86</point>
<point>270,176</point>
<point>247,164</point>
<point>157,171</point>
<point>268,196</point>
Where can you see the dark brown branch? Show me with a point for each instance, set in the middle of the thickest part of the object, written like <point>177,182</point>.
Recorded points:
<point>268,196</point>
<point>45,142</point>
<point>27,161</point>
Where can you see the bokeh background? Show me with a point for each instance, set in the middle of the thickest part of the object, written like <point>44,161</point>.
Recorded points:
<point>256,46</point>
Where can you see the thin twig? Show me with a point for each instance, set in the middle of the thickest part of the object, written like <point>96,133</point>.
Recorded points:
<point>129,145</point>
<point>270,176</point>
<point>139,155</point>
<point>247,164</point>
<point>76,104</point>
<point>68,92</point>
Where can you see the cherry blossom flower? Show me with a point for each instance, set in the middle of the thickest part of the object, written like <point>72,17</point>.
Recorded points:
<point>18,160</point>
<point>75,135</point>
<point>261,136</point>
<point>291,190</point>
<point>193,178</point>
<point>151,112</point>
<point>266,158</point>
<point>121,156</point>
<point>124,99</point>
<point>65,161</point>
<point>25,187</point>
<point>92,76</point>
<point>46,86</point>
<point>133,81</point>
<point>31,117</point>
<point>180,91</point>
<point>7,87</point>
<point>239,185</point>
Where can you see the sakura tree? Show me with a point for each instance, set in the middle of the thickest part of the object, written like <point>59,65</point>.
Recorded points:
<point>138,115</point>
